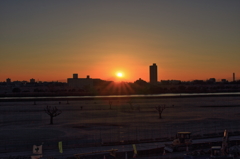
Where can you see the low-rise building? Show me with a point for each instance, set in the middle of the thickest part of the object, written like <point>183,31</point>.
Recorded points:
<point>82,83</point>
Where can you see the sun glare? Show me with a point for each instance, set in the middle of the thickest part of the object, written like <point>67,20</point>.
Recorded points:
<point>119,74</point>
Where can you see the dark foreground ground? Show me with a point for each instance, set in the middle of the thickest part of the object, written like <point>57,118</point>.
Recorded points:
<point>125,121</point>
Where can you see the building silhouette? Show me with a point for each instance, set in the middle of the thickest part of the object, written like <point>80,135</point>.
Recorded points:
<point>82,83</point>
<point>153,74</point>
<point>32,80</point>
<point>75,76</point>
<point>8,80</point>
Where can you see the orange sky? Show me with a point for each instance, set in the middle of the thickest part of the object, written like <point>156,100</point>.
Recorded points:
<point>49,41</point>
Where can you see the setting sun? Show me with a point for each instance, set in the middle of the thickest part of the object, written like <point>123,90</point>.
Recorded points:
<point>119,74</point>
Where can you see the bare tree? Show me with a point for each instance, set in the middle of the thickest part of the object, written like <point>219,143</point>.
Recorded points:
<point>160,110</point>
<point>52,112</point>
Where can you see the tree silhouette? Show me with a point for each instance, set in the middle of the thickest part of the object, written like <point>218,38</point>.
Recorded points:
<point>52,112</point>
<point>160,110</point>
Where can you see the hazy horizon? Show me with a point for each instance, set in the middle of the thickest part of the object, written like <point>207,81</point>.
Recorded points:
<point>118,80</point>
<point>51,40</point>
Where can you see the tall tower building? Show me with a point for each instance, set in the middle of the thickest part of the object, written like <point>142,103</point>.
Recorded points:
<point>233,77</point>
<point>153,74</point>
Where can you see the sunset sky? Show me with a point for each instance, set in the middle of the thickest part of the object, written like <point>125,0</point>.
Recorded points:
<point>51,40</point>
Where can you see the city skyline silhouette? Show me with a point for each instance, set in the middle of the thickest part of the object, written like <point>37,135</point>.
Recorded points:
<point>187,40</point>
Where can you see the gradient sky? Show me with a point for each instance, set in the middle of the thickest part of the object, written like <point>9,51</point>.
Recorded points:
<point>51,40</point>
